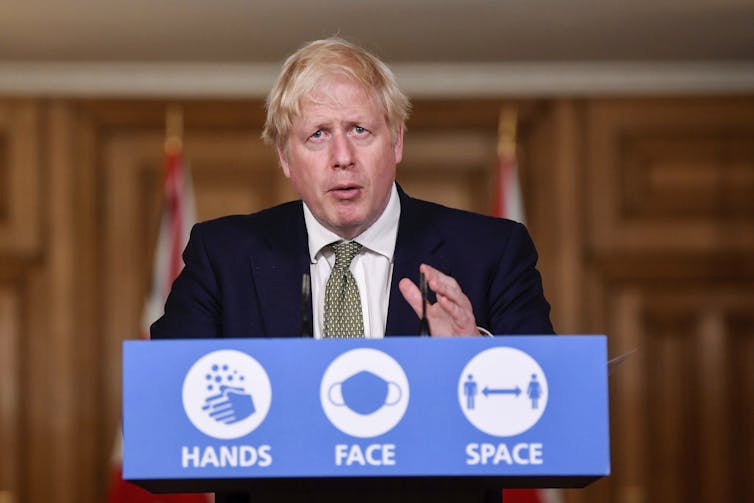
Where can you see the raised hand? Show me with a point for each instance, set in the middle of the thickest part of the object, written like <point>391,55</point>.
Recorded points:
<point>452,314</point>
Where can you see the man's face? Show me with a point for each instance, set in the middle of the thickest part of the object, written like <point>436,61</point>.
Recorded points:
<point>340,156</point>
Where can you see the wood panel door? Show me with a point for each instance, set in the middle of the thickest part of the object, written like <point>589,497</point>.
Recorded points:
<point>669,267</point>
<point>21,249</point>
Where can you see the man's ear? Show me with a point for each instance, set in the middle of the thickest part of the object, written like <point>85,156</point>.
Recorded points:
<point>283,159</point>
<point>398,147</point>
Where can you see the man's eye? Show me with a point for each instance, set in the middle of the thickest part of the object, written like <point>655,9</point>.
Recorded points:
<point>359,130</point>
<point>317,134</point>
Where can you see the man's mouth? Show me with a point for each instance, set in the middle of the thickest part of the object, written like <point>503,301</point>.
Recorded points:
<point>345,192</point>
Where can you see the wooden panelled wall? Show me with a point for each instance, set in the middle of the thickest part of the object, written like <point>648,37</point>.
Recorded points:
<point>642,209</point>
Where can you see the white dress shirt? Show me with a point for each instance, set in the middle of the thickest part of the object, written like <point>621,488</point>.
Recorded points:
<point>372,267</point>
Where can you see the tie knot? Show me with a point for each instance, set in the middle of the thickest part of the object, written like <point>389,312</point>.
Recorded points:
<point>345,251</point>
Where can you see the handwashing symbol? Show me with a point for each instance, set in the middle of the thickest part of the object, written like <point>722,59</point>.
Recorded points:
<point>226,394</point>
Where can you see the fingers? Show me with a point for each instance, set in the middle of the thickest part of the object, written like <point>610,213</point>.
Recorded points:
<point>462,318</point>
<point>451,299</point>
<point>452,314</point>
<point>446,287</point>
<point>412,295</point>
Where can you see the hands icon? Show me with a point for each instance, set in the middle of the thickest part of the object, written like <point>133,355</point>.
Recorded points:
<point>230,405</point>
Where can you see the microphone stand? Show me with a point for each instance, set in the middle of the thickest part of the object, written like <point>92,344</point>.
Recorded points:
<point>306,306</point>
<point>424,324</point>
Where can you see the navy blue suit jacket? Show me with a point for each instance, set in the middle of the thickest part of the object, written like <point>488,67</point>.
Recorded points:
<point>243,273</point>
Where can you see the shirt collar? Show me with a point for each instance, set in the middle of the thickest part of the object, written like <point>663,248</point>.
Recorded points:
<point>379,237</point>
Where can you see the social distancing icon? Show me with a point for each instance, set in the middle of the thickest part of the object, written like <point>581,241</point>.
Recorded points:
<point>502,391</point>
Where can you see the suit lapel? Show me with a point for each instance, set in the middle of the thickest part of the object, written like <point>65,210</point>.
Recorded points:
<point>418,242</point>
<point>278,269</point>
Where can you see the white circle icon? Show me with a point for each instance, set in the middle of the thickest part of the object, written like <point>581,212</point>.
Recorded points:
<point>226,394</point>
<point>364,393</point>
<point>502,391</point>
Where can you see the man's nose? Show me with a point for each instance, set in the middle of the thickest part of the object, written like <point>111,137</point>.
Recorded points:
<point>341,151</point>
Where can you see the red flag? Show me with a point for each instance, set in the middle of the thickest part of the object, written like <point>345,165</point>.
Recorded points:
<point>508,203</point>
<point>177,217</point>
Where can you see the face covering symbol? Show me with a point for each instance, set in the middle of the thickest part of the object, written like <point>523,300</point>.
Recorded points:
<point>364,392</point>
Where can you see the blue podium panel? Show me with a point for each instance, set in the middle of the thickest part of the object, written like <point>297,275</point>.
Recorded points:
<point>533,408</point>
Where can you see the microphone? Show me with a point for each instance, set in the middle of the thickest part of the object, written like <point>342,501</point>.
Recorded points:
<point>424,324</point>
<point>306,306</point>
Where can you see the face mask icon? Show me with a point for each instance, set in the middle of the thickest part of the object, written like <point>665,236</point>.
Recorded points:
<point>364,393</point>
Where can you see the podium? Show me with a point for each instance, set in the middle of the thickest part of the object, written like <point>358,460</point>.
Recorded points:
<point>399,414</point>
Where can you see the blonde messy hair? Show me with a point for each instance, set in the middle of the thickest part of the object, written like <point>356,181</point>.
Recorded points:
<point>332,56</point>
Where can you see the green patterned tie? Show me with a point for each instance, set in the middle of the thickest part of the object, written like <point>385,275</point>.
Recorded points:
<point>342,301</point>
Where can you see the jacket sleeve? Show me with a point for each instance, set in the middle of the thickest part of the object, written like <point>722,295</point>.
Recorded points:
<point>193,309</point>
<point>516,298</point>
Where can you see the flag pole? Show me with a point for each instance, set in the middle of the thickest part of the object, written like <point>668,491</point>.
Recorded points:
<point>174,188</point>
<point>506,133</point>
<point>507,202</point>
<point>173,129</point>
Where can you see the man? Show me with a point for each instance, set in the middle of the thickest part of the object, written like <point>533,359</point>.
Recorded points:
<point>337,118</point>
